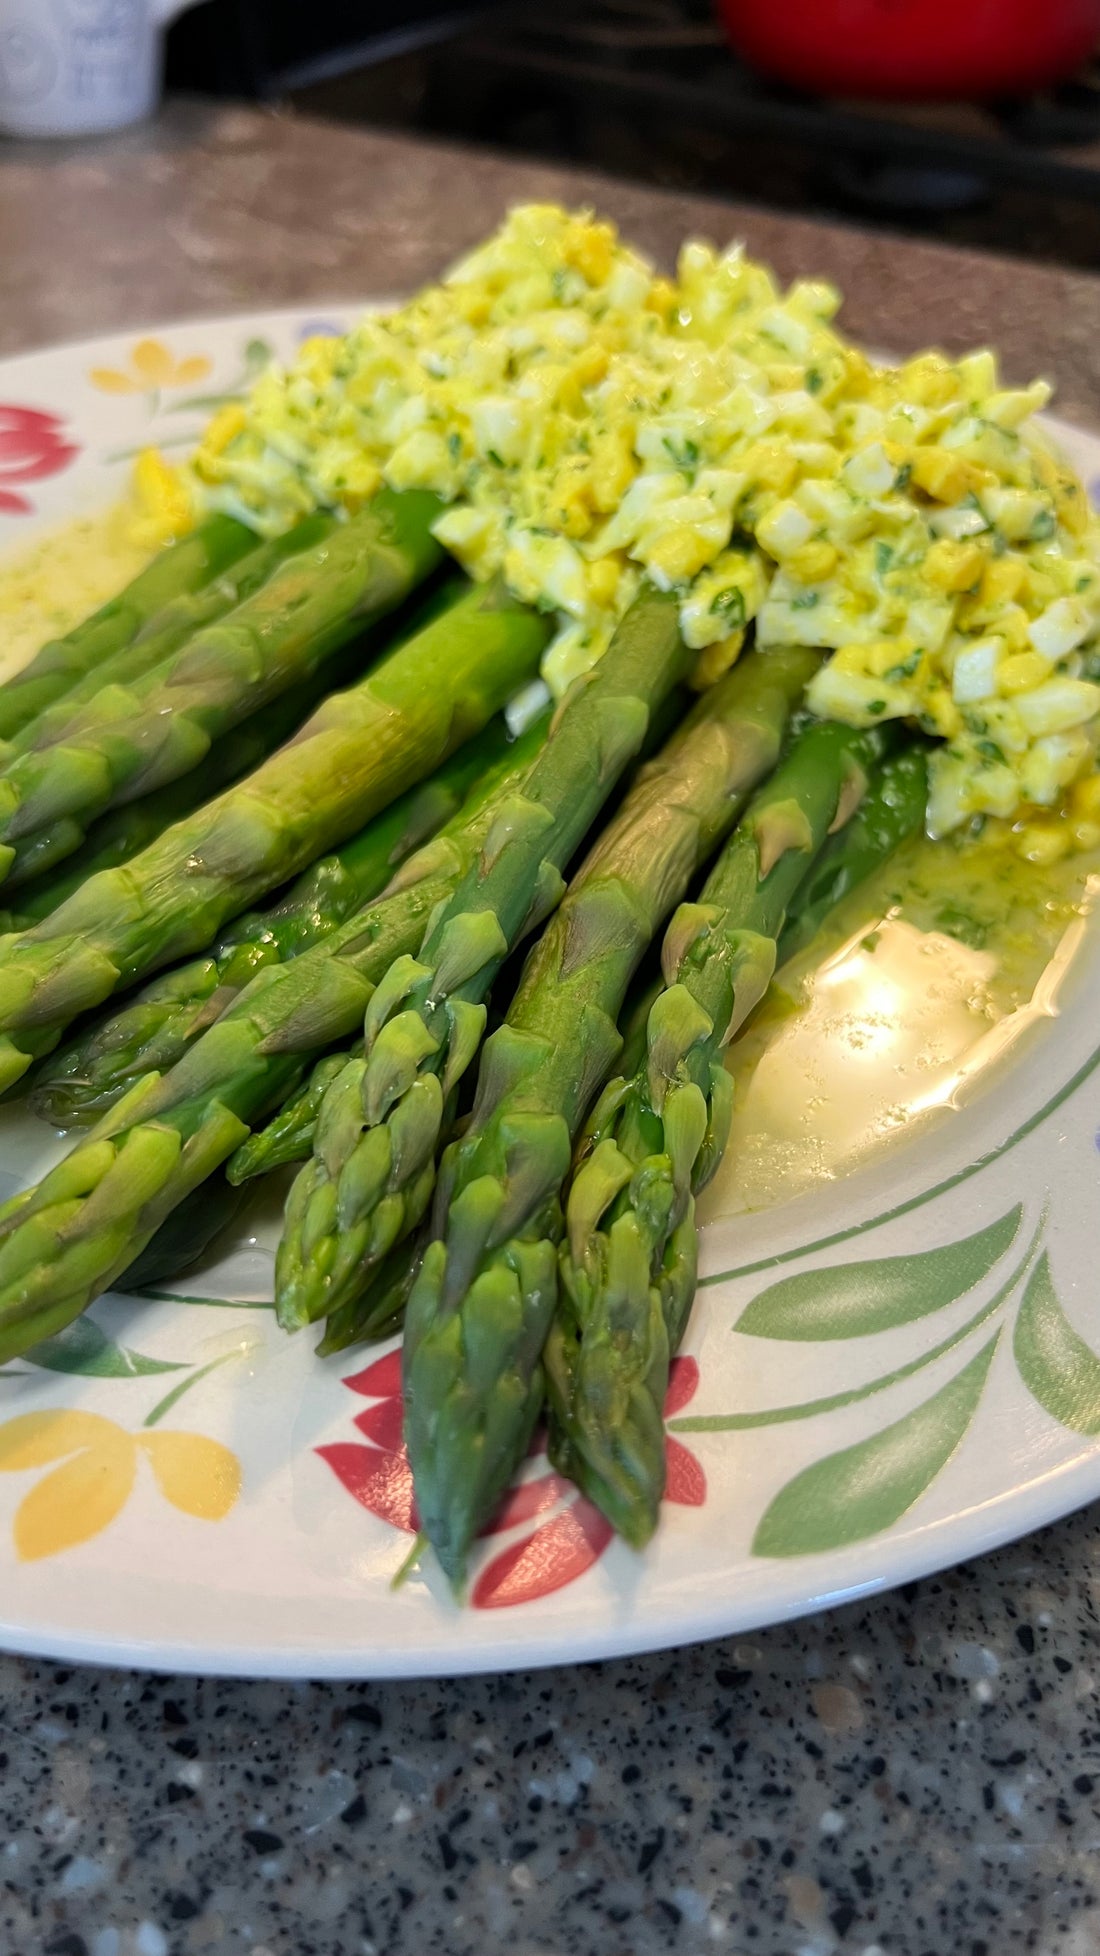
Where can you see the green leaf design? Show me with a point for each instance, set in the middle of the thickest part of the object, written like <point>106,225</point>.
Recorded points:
<point>1055,1363</point>
<point>205,403</point>
<point>811,1408</point>
<point>864,1489</point>
<point>1057,1099</point>
<point>850,1300</point>
<point>173,1398</point>
<point>82,1347</point>
<point>211,1303</point>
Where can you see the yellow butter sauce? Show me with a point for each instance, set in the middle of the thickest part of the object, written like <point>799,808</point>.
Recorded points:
<point>47,586</point>
<point>923,981</point>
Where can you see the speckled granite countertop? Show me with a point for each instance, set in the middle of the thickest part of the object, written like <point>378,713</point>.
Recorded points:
<point>915,1777</point>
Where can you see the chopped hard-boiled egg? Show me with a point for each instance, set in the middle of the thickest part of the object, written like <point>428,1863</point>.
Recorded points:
<point>588,423</point>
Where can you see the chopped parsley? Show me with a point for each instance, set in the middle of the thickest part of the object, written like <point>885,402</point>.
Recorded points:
<point>729,605</point>
<point>815,380</point>
<point>904,669</point>
<point>884,557</point>
<point>962,924</point>
<point>684,455</point>
<point>805,601</point>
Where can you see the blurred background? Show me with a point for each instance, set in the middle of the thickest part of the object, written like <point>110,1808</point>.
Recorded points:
<point>971,120</point>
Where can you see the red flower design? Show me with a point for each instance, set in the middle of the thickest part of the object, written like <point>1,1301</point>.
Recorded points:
<point>541,1559</point>
<point>32,445</point>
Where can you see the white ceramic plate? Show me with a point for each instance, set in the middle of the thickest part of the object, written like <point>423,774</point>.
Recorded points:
<point>187,1487</point>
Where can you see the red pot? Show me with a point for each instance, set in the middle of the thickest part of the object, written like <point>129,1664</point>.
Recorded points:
<point>914,47</point>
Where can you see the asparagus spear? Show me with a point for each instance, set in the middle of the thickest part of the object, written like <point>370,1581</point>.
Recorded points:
<point>628,1263</point>
<point>125,831</point>
<point>357,752</point>
<point>167,631</point>
<point>70,1237</point>
<point>183,567</point>
<point>154,1029</point>
<point>891,811</point>
<point>371,1175</point>
<point>288,1135</point>
<point>378,1310</point>
<point>480,1309</point>
<point>128,740</point>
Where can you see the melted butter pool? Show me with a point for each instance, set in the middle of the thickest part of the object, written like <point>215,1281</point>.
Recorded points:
<point>928,977</point>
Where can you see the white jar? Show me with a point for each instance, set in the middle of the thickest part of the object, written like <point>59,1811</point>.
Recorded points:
<point>77,67</point>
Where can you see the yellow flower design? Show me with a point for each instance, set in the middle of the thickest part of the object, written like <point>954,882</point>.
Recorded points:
<point>93,1465</point>
<point>151,366</point>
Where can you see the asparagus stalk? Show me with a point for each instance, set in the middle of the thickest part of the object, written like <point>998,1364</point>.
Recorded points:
<point>183,567</point>
<point>372,1171</point>
<point>129,740</point>
<point>357,752</point>
<point>628,1263</point>
<point>122,834</point>
<point>890,813</point>
<point>379,1309</point>
<point>69,1238</point>
<point>170,628</point>
<point>288,1136</point>
<point>154,1029</point>
<point>480,1309</point>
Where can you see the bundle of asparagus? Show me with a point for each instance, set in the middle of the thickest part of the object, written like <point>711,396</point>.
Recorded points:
<point>373,1167</point>
<point>485,1297</point>
<point>179,571</point>
<point>156,1027</point>
<point>628,1262</point>
<point>357,752</point>
<point>539,1241</point>
<point>128,739</point>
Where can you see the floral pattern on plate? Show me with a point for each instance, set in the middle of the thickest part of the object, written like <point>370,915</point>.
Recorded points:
<point>569,1534</point>
<point>33,445</point>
